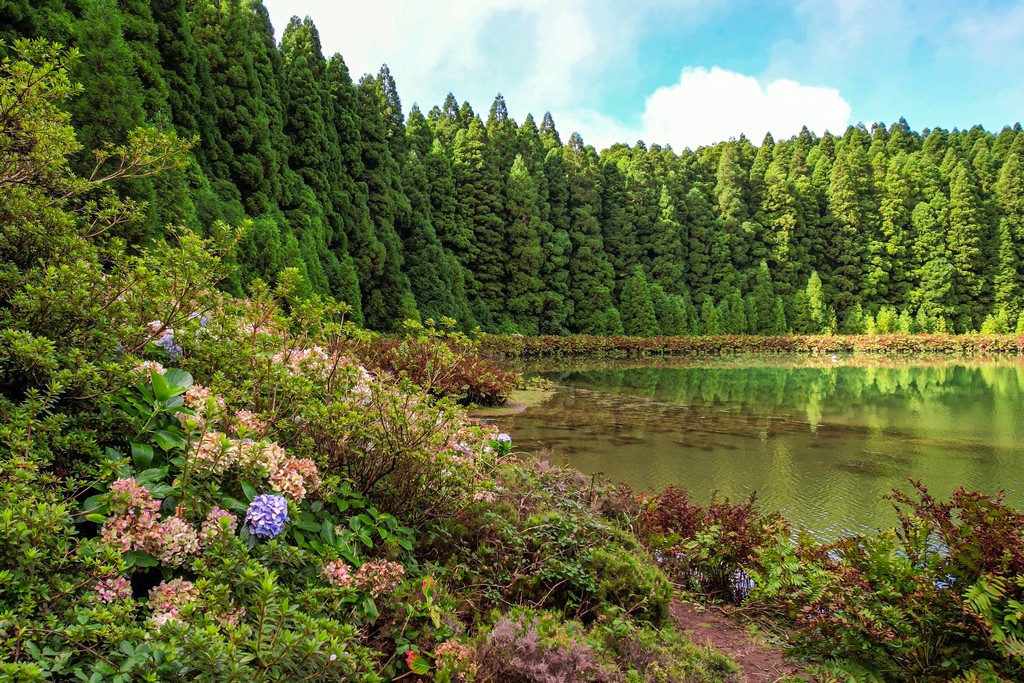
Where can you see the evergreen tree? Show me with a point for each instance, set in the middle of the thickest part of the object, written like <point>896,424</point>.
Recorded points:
<point>710,324</point>
<point>965,245</point>
<point>387,297</point>
<point>636,306</point>
<point>424,256</point>
<point>558,304</point>
<point>666,249</point>
<point>617,233</point>
<point>502,135</point>
<point>590,274</point>
<point>524,289</point>
<point>479,215</point>
<point>848,225</point>
<point>764,317</point>
<point>236,40</point>
<point>732,313</point>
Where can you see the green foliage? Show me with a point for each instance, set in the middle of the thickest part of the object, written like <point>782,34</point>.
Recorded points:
<point>637,307</point>
<point>933,599</point>
<point>708,548</point>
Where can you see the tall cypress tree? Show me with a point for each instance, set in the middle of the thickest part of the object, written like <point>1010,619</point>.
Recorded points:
<point>524,289</point>
<point>387,297</point>
<point>558,304</point>
<point>591,277</point>
<point>617,232</point>
<point>666,249</point>
<point>479,215</point>
<point>425,258</point>
<point>636,306</point>
<point>966,243</point>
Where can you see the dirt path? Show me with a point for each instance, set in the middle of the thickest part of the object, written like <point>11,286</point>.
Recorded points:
<point>758,662</point>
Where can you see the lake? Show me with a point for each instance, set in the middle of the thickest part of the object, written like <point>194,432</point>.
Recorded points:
<point>821,440</point>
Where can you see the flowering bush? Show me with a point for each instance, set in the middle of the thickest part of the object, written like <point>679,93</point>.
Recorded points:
<point>155,430</point>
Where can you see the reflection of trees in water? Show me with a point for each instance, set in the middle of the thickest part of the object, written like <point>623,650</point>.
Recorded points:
<point>813,391</point>
<point>823,444</point>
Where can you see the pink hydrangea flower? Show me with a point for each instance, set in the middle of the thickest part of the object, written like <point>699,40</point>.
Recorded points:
<point>378,577</point>
<point>169,598</point>
<point>214,527</point>
<point>112,590</point>
<point>338,573</point>
<point>148,366</point>
<point>294,477</point>
<point>177,541</point>
<point>249,423</point>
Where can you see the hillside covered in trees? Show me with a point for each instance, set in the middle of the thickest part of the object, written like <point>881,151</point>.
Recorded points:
<point>507,226</point>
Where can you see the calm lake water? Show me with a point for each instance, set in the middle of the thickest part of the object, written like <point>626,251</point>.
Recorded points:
<point>822,441</point>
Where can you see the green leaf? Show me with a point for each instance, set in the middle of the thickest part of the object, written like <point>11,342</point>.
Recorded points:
<point>161,389</point>
<point>137,559</point>
<point>93,503</point>
<point>153,475</point>
<point>233,504</point>
<point>178,378</point>
<point>96,517</point>
<point>142,455</point>
<point>308,522</point>
<point>327,532</point>
<point>370,608</point>
<point>418,664</point>
<point>161,490</point>
<point>168,440</point>
<point>249,490</point>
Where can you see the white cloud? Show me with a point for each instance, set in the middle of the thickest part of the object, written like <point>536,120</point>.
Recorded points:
<point>708,106</point>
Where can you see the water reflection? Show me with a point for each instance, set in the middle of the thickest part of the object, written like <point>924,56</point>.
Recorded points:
<point>820,441</point>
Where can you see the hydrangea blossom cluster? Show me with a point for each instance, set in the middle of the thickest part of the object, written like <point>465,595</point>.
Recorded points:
<point>291,477</point>
<point>455,656</point>
<point>267,515</point>
<point>214,452</point>
<point>337,573</point>
<point>169,598</point>
<point>362,388</point>
<point>178,541</point>
<point>378,577</point>
<point>301,361</point>
<point>133,525</point>
<point>148,366</point>
<point>112,590</point>
<point>166,339</point>
<point>213,527</point>
<point>248,422</point>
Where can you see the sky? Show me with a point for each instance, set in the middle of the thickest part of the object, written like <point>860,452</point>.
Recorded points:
<point>691,72</point>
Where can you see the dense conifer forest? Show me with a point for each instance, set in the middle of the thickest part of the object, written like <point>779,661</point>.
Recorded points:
<point>518,227</point>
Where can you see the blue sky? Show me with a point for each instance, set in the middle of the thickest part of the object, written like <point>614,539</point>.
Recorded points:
<point>692,72</point>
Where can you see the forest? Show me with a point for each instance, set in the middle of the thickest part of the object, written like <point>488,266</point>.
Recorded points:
<point>516,227</point>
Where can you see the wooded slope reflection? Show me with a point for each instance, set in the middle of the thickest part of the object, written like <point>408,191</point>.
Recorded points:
<point>820,443</point>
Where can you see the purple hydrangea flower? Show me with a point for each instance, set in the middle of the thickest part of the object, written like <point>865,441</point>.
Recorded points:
<point>167,343</point>
<point>504,438</point>
<point>266,515</point>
